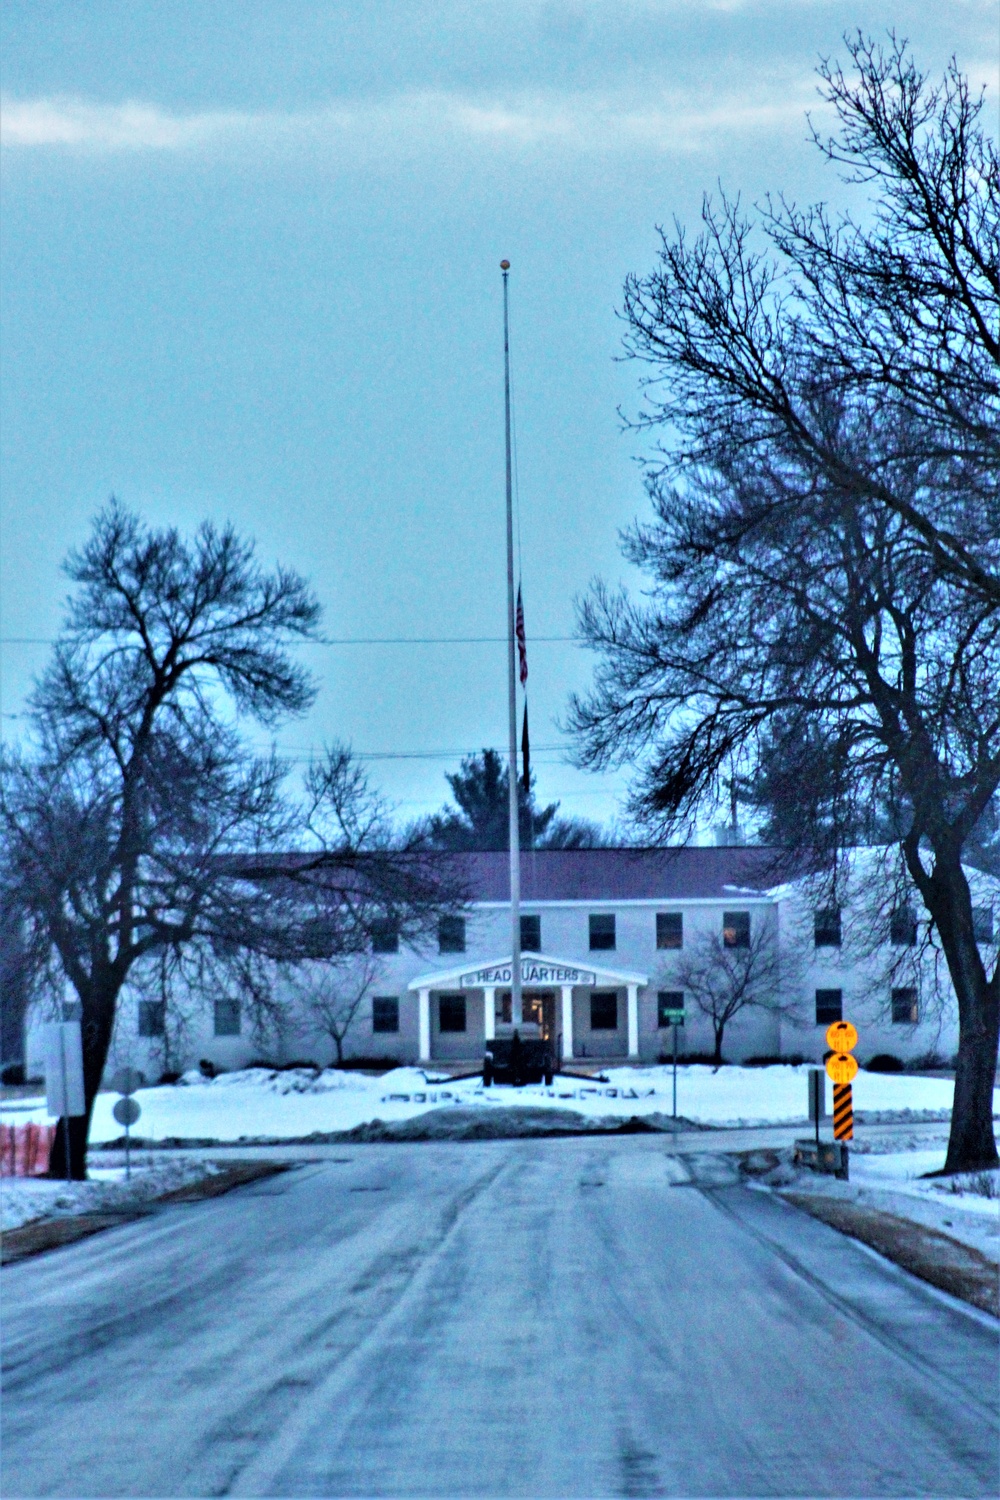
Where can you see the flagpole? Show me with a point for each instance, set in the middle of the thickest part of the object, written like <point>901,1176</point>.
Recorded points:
<point>516,1015</point>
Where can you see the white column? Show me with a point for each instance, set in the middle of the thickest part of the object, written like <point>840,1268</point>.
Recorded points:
<point>490,1013</point>
<point>633,1020</point>
<point>424,1014</point>
<point>567,1021</point>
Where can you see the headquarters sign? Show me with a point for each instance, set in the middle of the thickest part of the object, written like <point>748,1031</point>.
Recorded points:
<point>532,972</point>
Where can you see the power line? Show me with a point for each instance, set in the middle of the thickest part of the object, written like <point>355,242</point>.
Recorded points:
<point>356,640</point>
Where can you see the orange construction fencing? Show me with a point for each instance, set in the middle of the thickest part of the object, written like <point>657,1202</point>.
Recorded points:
<point>24,1150</point>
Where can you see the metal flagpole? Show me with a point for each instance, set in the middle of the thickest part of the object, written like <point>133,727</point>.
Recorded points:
<point>515,849</point>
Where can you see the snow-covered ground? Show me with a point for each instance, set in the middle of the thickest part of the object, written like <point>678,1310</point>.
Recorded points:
<point>24,1199</point>
<point>257,1103</point>
<point>891,1176</point>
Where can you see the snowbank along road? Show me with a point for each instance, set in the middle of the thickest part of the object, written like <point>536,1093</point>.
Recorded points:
<point>542,1317</point>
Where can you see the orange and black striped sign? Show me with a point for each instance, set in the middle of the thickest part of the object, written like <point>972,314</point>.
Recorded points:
<point>843,1112</point>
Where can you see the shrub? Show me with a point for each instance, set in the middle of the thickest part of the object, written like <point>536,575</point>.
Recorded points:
<point>368,1064</point>
<point>884,1062</point>
<point>171,1077</point>
<point>769,1059</point>
<point>12,1073</point>
<point>926,1062</point>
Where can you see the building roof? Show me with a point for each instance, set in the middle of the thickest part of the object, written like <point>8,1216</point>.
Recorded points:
<point>609,875</point>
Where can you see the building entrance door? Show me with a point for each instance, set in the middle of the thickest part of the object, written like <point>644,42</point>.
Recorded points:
<point>538,1007</point>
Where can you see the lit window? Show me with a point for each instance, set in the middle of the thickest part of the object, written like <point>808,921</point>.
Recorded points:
<point>602,932</point>
<point>668,1003</point>
<point>826,928</point>
<point>152,1017</point>
<point>227,1018</point>
<point>829,1006</point>
<point>904,1007</point>
<point>903,927</point>
<point>531,934</point>
<point>603,1010</point>
<point>451,1013</point>
<point>451,936</point>
<point>669,929</point>
<point>385,1013</point>
<point>736,929</point>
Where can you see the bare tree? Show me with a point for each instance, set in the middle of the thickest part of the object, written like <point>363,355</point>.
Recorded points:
<point>331,995</point>
<point>825,549</point>
<point>138,819</point>
<point>722,981</point>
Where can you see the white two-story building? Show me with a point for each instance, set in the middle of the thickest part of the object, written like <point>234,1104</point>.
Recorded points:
<point>605,934</point>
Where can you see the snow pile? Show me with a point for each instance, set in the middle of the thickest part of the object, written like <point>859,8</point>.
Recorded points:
<point>24,1199</point>
<point>261,1104</point>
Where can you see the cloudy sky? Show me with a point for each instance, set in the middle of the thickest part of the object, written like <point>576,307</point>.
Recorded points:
<point>250,271</point>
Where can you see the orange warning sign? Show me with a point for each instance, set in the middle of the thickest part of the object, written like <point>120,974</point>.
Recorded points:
<point>841,1067</point>
<point>841,1037</point>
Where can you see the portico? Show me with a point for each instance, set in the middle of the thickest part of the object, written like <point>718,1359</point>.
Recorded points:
<point>449,999</point>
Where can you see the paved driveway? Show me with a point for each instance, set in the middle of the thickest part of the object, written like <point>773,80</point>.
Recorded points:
<point>572,1317</point>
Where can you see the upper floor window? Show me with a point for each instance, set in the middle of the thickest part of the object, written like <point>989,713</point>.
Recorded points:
<point>736,929</point>
<point>826,927</point>
<point>227,1018</point>
<point>670,929</point>
<point>903,927</point>
<point>982,924</point>
<point>385,1013</point>
<point>904,1006</point>
<point>451,935</point>
<point>451,1012</point>
<point>531,934</point>
<point>829,1006</point>
<point>385,936</point>
<point>602,932</point>
<point>152,1017</point>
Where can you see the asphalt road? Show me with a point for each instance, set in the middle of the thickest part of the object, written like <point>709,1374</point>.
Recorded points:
<point>574,1317</point>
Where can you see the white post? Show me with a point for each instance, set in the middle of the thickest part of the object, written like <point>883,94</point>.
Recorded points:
<point>633,1020</point>
<point>567,1021</point>
<point>424,1014</point>
<point>490,1013</point>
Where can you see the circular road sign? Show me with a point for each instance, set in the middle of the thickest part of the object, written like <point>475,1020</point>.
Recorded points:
<point>126,1111</point>
<point>127,1080</point>
<point>841,1036</point>
<point>841,1067</point>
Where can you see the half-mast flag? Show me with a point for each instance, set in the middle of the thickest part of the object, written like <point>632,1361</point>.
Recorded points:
<point>525,753</point>
<point>522,645</point>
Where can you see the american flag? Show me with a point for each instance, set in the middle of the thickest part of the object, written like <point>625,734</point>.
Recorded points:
<point>522,646</point>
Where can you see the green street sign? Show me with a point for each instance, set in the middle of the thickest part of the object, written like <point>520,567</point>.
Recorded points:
<point>674,1017</point>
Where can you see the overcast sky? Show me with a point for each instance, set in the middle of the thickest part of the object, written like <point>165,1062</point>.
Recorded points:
<point>250,271</point>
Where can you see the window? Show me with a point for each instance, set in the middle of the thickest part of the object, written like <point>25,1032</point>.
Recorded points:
<point>904,1007</point>
<point>451,1013</point>
<point>385,936</point>
<point>666,1001</point>
<point>385,1013</point>
<point>826,928</point>
<point>531,934</point>
<point>982,924</point>
<point>603,1009</point>
<point>736,929</point>
<point>451,936</point>
<point>829,1006</point>
<point>903,927</point>
<point>602,932</point>
<point>669,929</point>
<point>227,1018</point>
<point>152,1017</point>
